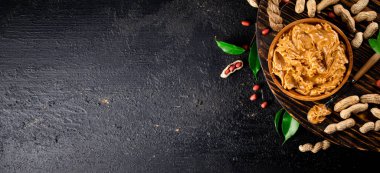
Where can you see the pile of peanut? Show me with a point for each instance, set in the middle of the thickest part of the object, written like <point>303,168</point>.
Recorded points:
<point>350,105</point>
<point>346,107</point>
<point>339,10</point>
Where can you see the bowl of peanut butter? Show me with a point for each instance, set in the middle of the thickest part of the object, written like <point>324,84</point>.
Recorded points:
<point>310,59</point>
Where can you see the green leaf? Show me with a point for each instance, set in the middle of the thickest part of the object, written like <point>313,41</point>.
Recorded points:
<point>229,48</point>
<point>253,59</point>
<point>289,126</point>
<point>277,120</point>
<point>375,44</point>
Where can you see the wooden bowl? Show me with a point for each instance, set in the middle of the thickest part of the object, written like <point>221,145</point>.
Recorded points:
<point>293,93</point>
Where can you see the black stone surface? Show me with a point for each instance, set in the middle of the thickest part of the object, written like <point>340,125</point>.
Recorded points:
<point>133,86</point>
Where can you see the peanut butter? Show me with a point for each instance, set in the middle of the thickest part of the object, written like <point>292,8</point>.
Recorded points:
<point>318,113</point>
<point>310,59</point>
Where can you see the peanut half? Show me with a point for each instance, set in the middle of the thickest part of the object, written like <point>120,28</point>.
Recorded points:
<point>231,68</point>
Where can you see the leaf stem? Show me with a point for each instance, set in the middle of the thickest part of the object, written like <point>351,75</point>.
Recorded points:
<point>254,36</point>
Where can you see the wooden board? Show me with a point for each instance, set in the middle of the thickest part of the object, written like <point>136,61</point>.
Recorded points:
<point>351,138</point>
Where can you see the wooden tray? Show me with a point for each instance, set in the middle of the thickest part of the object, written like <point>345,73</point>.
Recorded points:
<point>351,138</point>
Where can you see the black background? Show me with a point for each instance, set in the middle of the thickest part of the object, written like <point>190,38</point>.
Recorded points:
<point>158,65</point>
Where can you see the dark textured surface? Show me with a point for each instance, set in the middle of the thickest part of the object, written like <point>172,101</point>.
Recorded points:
<point>157,64</point>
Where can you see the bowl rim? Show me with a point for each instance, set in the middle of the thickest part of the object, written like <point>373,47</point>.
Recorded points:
<point>293,93</point>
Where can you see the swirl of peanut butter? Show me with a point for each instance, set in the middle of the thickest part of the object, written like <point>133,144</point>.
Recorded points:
<point>310,59</point>
<point>318,113</point>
